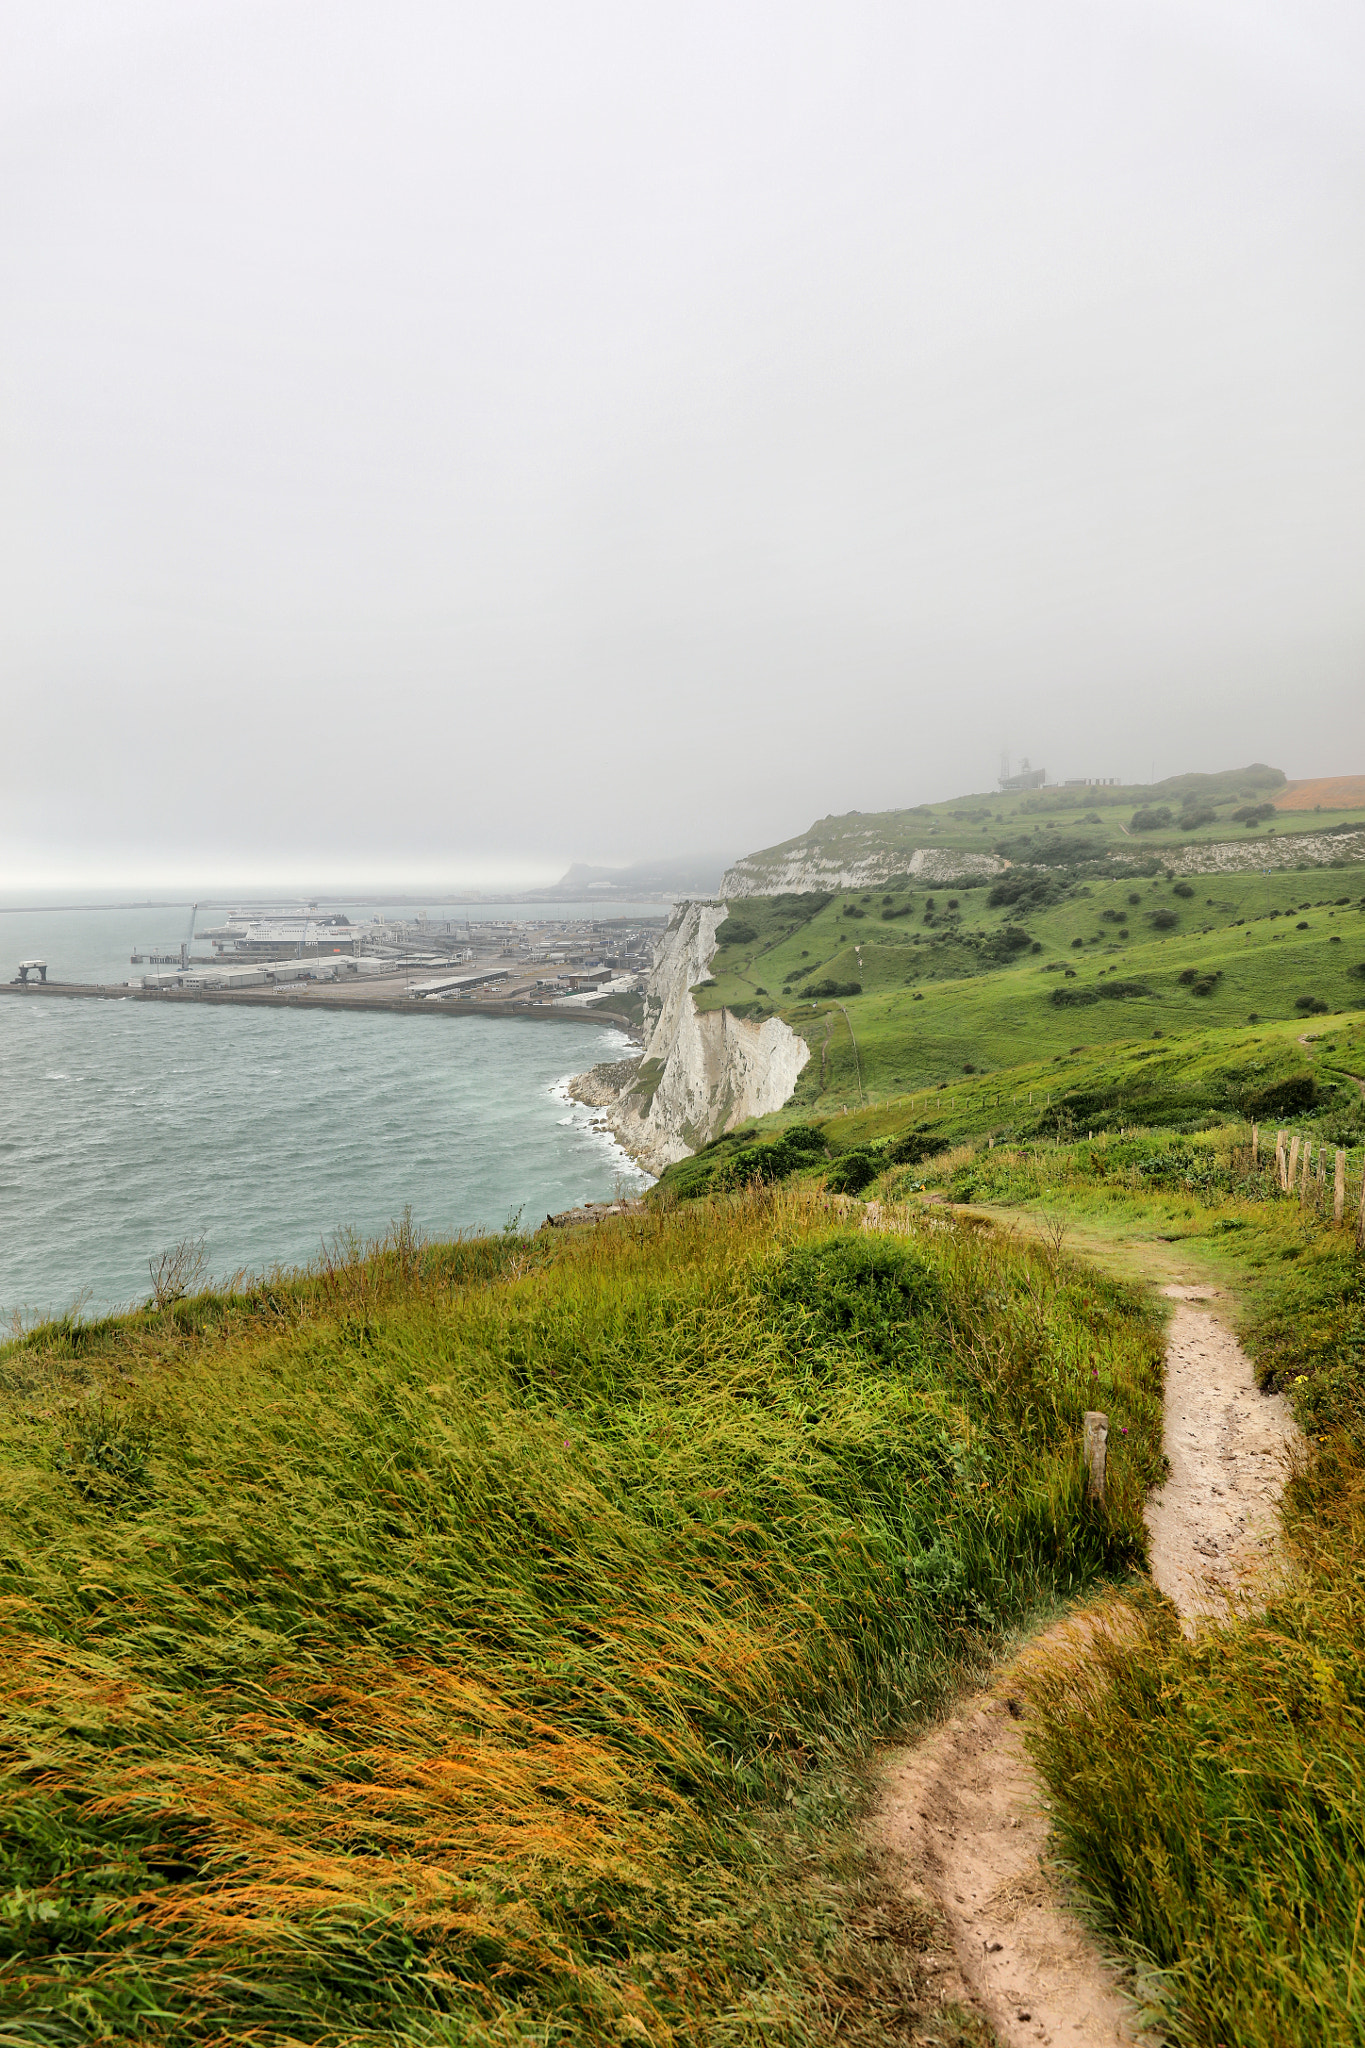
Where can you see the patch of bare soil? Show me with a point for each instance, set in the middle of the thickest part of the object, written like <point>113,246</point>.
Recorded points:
<point>962,1821</point>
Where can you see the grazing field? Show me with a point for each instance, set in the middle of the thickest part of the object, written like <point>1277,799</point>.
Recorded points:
<point>1274,1074</point>
<point>896,991</point>
<point>477,1643</point>
<point>1252,807</point>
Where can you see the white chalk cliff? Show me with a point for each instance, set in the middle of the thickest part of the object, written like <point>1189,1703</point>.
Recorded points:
<point>701,1072</point>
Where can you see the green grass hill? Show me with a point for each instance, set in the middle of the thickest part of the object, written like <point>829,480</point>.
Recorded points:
<point>1251,811</point>
<point>1078,942</point>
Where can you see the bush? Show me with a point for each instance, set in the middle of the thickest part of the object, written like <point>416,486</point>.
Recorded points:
<point>1007,943</point>
<point>1290,1097</point>
<point>911,1147</point>
<point>1182,889</point>
<point>1098,992</point>
<point>1027,891</point>
<point>830,987</point>
<point>1253,814</point>
<point>1163,920</point>
<point>1156,820</point>
<point>852,910</point>
<point>852,1173</point>
<point>1310,1006</point>
<point>1190,821</point>
<point>734,933</point>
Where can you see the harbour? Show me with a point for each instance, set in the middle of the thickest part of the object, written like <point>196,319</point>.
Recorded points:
<point>451,966</point>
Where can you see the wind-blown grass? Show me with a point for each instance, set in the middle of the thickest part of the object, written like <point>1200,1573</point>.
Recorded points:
<point>425,1648</point>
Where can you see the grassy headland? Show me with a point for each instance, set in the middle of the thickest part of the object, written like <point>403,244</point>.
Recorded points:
<point>470,1643</point>
<point>478,1643</point>
<point>896,991</point>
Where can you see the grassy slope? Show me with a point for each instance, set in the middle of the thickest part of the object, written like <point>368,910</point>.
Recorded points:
<point>1210,1795</point>
<point>1100,817</point>
<point>459,1644</point>
<point>931,1005</point>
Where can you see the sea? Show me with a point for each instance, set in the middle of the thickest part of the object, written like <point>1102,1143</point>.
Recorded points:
<point>127,1127</point>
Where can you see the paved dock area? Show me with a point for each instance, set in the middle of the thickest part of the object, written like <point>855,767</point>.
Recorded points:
<point>380,992</point>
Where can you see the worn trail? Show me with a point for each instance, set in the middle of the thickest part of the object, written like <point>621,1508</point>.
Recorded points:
<point>961,1820</point>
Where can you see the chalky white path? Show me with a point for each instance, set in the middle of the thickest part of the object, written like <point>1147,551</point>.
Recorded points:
<point>1213,1525</point>
<point>962,1819</point>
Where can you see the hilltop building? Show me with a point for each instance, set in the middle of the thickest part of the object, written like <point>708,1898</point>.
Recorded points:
<point>1024,777</point>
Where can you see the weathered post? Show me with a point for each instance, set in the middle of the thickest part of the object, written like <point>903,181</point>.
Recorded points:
<point>1255,1146</point>
<point>1339,1189</point>
<point>1303,1177</point>
<point>1280,1171</point>
<point>1096,1440</point>
<point>1293,1165</point>
<point>1360,1219</point>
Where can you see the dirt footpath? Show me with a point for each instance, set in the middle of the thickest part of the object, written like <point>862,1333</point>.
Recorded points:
<point>1213,1524</point>
<point>962,1818</point>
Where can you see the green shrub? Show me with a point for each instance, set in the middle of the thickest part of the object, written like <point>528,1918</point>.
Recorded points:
<point>851,1173</point>
<point>1106,991</point>
<point>1007,944</point>
<point>1293,1096</point>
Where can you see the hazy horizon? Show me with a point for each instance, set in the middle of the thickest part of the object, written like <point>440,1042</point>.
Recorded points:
<point>448,443</point>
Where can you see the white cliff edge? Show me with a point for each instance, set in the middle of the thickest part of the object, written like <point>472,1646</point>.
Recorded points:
<point>701,1073</point>
<point>803,869</point>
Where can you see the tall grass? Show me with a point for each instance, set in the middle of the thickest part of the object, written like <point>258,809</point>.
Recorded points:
<point>427,1647</point>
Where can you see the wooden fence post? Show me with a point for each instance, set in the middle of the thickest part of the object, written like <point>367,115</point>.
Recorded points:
<point>1339,1189</point>
<point>1293,1165</point>
<point>1360,1220</point>
<point>1279,1160</point>
<point>1303,1177</point>
<point>1096,1439</point>
<point>1255,1146</point>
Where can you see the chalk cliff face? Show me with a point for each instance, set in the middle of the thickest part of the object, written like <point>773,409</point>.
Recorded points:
<point>779,870</point>
<point>701,1074</point>
<point>1239,856</point>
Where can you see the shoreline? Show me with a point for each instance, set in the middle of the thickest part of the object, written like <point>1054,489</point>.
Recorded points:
<point>358,1000</point>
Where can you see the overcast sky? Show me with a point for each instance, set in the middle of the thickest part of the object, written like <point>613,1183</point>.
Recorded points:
<point>442,441</point>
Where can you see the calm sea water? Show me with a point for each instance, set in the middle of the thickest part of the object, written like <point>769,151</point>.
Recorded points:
<point>125,1126</point>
